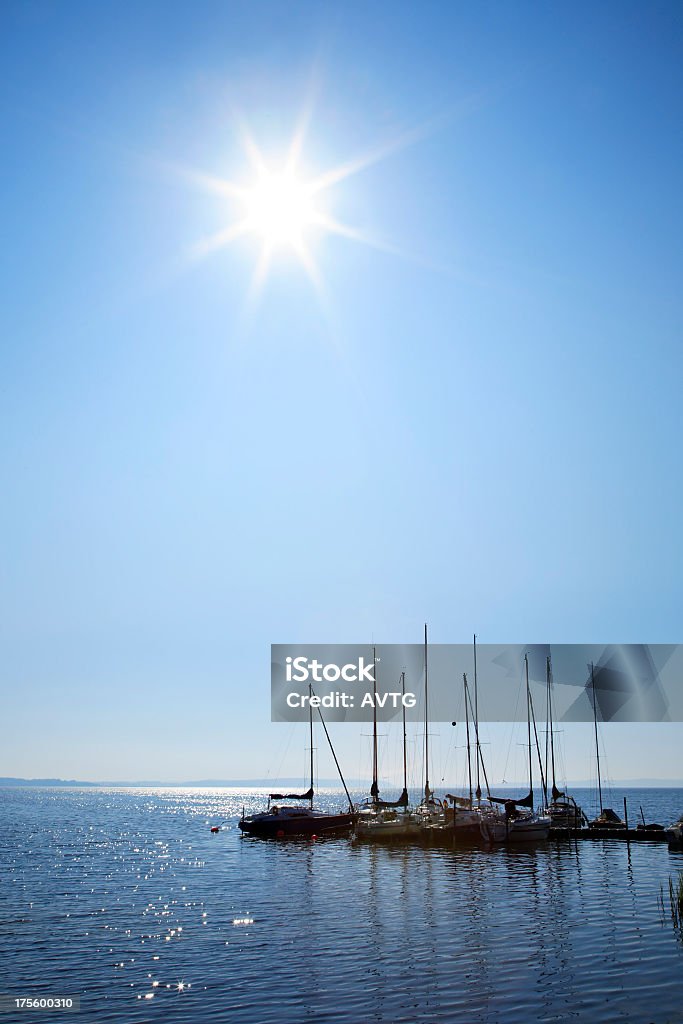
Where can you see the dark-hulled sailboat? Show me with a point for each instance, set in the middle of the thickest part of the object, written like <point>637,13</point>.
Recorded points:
<point>280,821</point>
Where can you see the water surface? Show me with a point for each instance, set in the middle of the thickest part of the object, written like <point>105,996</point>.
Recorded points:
<point>125,898</point>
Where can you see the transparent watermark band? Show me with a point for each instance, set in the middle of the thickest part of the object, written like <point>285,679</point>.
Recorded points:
<point>353,682</point>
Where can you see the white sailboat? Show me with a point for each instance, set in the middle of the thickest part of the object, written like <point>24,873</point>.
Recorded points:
<point>520,825</point>
<point>429,813</point>
<point>463,821</point>
<point>607,818</point>
<point>487,813</point>
<point>562,809</point>
<point>386,819</point>
<point>675,832</point>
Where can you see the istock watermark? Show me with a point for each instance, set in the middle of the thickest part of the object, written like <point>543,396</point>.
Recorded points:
<point>301,669</point>
<point>356,682</point>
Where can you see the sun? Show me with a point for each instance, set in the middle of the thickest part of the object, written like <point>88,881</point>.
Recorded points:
<point>284,208</point>
<point>280,208</point>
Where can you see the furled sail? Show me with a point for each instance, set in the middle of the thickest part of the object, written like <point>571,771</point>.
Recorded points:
<point>459,801</point>
<point>401,802</point>
<point>292,796</point>
<point>527,801</point>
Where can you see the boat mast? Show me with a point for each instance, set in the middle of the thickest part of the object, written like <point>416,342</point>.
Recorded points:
<point>543,774</point>
<point>427,793</point>
<point>374,790</point>
<point>403,714</point>
<point>478,744</point>
<point>548,723</point>
<point>310,734</point>
<point>549,676</point>
<point>597,747</point>
<point>476,718</point>
<point>348,795</point>
<point>528,728</point>
<point>467,726</point>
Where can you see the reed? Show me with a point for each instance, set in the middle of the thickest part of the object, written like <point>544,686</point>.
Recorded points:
<point>677,894</point>
<point>675,901</point>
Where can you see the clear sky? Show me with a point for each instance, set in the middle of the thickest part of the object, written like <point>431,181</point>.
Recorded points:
<point>453,395</point>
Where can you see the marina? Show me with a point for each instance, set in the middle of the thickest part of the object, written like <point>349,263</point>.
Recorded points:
<point>467,816</point>
<point>437,823</point>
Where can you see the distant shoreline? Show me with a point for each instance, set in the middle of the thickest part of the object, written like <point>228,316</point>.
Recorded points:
<point>18,783</point>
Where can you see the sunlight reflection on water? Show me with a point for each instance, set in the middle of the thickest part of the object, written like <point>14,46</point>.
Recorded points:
<point>122,896</point>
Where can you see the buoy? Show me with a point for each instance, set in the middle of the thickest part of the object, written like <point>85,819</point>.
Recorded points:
<point>313,838</point>
<point>215,828</point>
<point>279,833</point>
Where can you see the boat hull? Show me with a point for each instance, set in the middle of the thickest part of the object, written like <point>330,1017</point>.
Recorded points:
<point>517,831</point>
<point>465,834</point>
<point>674,834</point>
<point>463,827</point>
<point>306,823</point>
<point>564,813</point>
<point>386,831</point>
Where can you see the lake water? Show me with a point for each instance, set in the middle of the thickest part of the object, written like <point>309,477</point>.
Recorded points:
<point>124,898</point>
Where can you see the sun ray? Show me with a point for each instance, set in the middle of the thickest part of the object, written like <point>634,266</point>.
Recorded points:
<point>300,132</point>
<point>335,227</point>
<point>220,239</point>
<point>308,264</point>
<point>260,274</point>
<point>253,152</point>
<point>373,156</point>
<point>212,183</point>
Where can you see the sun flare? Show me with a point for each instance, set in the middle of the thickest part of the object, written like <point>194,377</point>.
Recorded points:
<point>284,209</point>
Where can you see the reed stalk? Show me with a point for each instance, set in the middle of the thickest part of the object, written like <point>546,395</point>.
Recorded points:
<point>675,901</point>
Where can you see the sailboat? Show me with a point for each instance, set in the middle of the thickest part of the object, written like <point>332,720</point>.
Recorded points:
<point>279,821</point>
<point>429,813</point>
<point>607,818</point>
<point>385,819</point>
<point>520,825</point>
<point>562,809</point>
<point>485,812</point>
<point>462,821</point>
<point>675,832</point>
<point>465,822</point>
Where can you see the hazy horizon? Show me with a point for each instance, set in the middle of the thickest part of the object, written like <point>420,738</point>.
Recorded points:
<point>260,783</point>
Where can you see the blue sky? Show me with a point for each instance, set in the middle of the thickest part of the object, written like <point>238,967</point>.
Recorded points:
<point>474,421</point>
